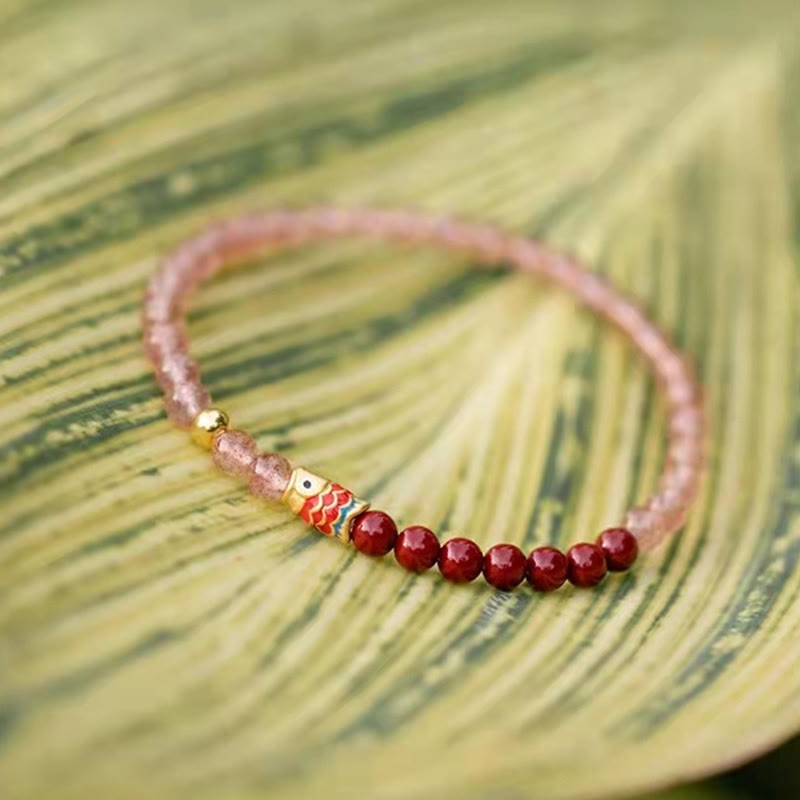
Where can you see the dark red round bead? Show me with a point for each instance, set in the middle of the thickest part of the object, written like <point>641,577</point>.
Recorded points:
<point>620,548</point>
<point>416,548</point>
<point>460,560</point>
<point>586,564</point>
<point>547,569</point>
<point>374,533</point>
<point>504,566</point>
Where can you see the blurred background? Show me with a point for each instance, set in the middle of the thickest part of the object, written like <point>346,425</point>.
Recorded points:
<point>162,634</point>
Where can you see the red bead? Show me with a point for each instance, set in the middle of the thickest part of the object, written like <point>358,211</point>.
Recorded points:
<point>586,564</point>
<point>620,548</point>
<point>374,533</point>
<point>416,548</point>
<point>460,560</point>
<point>547,569</point>
<point>504,566</point>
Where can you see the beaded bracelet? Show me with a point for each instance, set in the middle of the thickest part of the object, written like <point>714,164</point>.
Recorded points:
<point>336,511</point>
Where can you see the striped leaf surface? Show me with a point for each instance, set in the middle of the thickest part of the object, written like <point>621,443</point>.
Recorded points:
<point>162,633</point>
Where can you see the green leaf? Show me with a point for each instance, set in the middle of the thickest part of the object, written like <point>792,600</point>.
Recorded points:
<point>161,632</point>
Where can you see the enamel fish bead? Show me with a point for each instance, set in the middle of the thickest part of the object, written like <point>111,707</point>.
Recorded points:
<point>322,504</point>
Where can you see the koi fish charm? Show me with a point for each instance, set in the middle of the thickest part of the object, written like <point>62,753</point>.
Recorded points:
<point>322,504</point>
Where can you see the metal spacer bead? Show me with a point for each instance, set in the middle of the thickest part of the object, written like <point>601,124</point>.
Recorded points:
<point>207,424</point>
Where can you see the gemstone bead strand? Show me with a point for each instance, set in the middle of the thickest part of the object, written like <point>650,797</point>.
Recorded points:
<point>336,511</point>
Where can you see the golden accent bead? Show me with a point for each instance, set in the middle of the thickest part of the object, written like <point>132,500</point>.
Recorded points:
<point>207,424</point>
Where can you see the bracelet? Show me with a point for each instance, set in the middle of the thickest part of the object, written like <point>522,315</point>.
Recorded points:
<point>336,511</point>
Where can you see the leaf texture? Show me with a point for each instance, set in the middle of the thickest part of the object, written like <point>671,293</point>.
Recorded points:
<point>163,634</point>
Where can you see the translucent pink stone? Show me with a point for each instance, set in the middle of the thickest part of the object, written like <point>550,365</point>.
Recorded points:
<point>594,291</point>
<point>234,452</point>
<point>646,525</point>
<point>490,244</point>
<point>686,421</point>
<point>685,450</point>
<point>175,370</point>
<point>158,306</point>
<point>528,255</point>
<point>682,392</point>
<point>269,476</point>
<point>185,402</point>
<point>671,368</point>
<point>680,478</point>
<point>669,506</point>
<point>652,343</point>
<point>164,337</point>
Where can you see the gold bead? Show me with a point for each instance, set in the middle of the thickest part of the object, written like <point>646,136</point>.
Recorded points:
<point>207,424</point>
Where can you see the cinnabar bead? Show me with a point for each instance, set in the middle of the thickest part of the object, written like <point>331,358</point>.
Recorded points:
<point>586,564</point>
<point>620,548</point>
<point>374,533</point>
<point>416,548</point>
<point>504,566</point>
<point>546,569</point>
<point>460,560</point>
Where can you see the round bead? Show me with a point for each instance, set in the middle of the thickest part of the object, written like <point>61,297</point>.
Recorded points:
<point>416,548</point>
<point>460,560</point>
<point>504,566</point>
<point>184,401</point>
<point>207,424</point>
<point>586,564</point>
<point>234,452</point>
<point>374,533</point>
<point>546,569</point>
<point>269,476</point>
<point>620,548</point>
<point>645,523</point>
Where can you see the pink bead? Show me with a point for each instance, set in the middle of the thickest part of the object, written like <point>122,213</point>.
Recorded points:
<point>176,369</point>
<point>161,338</point>
<point>642,521</point>
<point>682,479</point>
<point>682,392</point>
<point>685,450</point>
<point>686,421</point>
<point>158,306</point>
<point>332,222</point>
<point>629,317</point>
<point>451,233</point>
<point>234,452</point>
<point>185,402</point>
<point>670,506</point>
<point>671,367</point>
<point>269,476</point>
<point>665,504</point>
<point>489,244</point>
<point>651,342</point>
<point>526,253</point>
<point>594,291</point>
<point>169,286</point>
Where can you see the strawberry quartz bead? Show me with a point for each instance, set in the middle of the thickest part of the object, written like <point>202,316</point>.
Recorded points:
<point>546,569</point>
<point>586,564</point>
<point>269,476</point>
<point>504,566</point>
<point>374,533</point>
<point>234,452</point>
<point>416,548</point>
<point>460,560</point>
<point>620,548</point>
